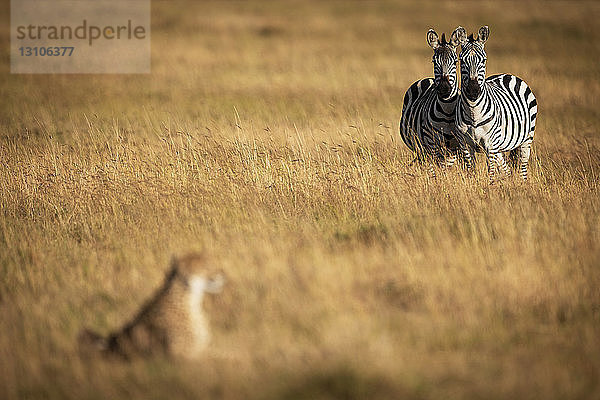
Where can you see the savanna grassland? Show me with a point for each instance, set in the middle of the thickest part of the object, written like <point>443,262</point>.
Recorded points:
<point>266,135</point>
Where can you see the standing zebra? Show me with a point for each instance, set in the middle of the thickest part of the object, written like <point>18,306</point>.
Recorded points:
<point>496,114</point>
<point>427,124</point>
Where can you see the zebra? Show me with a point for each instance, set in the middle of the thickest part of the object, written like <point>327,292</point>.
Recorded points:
<point>428,122</point>
<point>496,114</point>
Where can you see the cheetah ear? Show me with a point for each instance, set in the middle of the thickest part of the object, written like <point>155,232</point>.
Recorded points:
<point>433,39</point>
<point>484,34</point>
<point>173,267</point>
<point>459,36</point>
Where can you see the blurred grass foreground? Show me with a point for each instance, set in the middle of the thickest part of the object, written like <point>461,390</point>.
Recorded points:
<point>266,135</point>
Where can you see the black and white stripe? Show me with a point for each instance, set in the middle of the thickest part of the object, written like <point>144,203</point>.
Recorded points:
<point>496,114</point>
<point>427,125</point>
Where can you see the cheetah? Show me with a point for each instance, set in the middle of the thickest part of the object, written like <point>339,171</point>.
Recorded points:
<point>171,322</point>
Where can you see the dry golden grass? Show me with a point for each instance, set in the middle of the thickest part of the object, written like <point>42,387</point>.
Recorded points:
<point>267,136</point>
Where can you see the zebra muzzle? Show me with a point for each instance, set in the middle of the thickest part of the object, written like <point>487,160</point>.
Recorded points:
<point>472,89</point>
<point>444,88</point>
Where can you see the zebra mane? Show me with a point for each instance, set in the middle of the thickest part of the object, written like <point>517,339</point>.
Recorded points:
<point>444,39</point>
<point>471,39</point>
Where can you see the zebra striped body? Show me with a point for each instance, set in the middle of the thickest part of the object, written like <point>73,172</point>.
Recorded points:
<point>502,118</point>
<point>427,125</point>
<point>497,114</point>
<point>427,122</point>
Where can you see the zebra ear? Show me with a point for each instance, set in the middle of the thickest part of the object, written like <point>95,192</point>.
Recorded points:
<point>459,36</point>
<point>433,39</point>
<point>484,34</point>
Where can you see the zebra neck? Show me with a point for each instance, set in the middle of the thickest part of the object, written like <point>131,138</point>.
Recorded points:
<point>449,104</point>
<point>477,108</point>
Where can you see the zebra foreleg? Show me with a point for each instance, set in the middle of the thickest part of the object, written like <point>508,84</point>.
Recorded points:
<point>501,162</point>
<point>431,170</point>
<point>469,158</point>
<point>449,160</point>
<point>435,158</point>
<point>524,154</point>
<point>422,159</point>
<point>492,167</point>
<point>442,158</point>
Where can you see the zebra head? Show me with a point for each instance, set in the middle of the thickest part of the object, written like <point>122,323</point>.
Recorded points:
<point>444,62</point>
<point>472,63</point>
